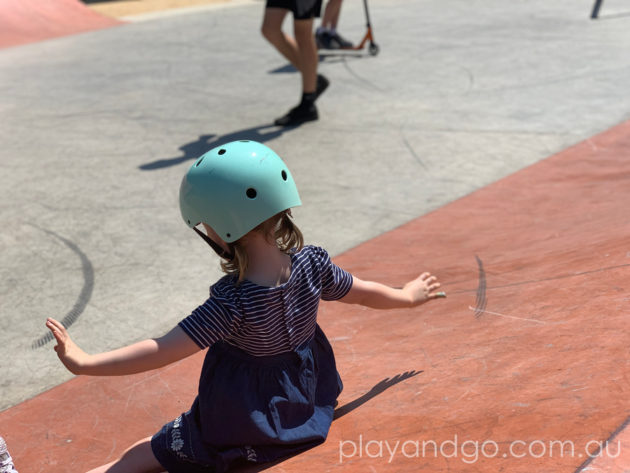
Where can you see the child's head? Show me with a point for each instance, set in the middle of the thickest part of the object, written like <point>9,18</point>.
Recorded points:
<point>236,188</point>
<point>278,229</point>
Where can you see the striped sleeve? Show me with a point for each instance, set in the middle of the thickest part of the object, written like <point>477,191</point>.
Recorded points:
<point>212,321</point>
<point>336,282</point>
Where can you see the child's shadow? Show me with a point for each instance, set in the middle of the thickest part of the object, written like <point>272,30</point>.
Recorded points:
<point>194,149</point>
<point>339,412</point>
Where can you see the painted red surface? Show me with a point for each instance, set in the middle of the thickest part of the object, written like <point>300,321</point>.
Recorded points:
<point>614,456</point>
<point>529,355</point>
<point>28,21</point>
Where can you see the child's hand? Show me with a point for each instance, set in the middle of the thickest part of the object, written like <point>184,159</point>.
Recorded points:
<point>68,352</point>
<point>423,289</point>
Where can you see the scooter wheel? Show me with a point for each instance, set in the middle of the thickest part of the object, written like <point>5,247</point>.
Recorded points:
<point>374,49</point>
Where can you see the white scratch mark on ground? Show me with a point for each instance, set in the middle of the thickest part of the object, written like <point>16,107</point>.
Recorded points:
<point>339,339</point>
<point>467,391</point>
<point>508,316</point>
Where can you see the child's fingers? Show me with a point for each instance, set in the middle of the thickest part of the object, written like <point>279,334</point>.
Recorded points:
<point>56,324</point>
<point>428,278</point>
<point>58,330</point>
<point>57,339</point>
<point>54,332</point>
<point>432,283</point>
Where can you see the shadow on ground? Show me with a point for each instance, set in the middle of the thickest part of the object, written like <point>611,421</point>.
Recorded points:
<point>329,57</point>
<point>194,149</point>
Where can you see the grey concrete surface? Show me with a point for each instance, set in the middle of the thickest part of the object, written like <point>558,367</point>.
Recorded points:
<point>97,130</point>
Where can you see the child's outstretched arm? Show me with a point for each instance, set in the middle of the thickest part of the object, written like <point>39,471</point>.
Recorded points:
<point>142,356</point>
<point>379,296</point>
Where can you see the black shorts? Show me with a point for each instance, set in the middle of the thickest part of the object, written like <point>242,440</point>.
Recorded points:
<point>302,9</point>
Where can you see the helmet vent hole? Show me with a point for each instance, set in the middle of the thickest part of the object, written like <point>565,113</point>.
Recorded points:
<point>244,141</point>
<point>228,235</point>
<point>188,222</point>
<point>221,151</point>
<point>284,175</point>
<point>199,162</point>
<point>251,193</point>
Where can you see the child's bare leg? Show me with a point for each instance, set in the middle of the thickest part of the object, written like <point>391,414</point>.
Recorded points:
<point>331,14</point>
<point>307,51</point>
<point>138,458</point>
<point>272,31</point>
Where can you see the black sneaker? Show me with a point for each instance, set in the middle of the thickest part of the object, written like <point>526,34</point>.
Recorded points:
<point>297,115</point>
<point>322,84</point>
<point>323,39</point>
<point>339,41</point>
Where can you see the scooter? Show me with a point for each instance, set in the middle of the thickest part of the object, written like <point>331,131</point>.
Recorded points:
<point>369,36</point>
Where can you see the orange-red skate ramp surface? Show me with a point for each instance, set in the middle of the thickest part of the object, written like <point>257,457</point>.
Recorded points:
<point>28,21</point>
<point>523,368</point>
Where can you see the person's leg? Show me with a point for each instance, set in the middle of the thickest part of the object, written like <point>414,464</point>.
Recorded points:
<point>312,84</point>
<point>272,31</point>
<point>335,38</point>
<point>307,53</point>
<point>327,36</point>
<point>138,458</point>
<point>331,14</point>
<point>322,34</point>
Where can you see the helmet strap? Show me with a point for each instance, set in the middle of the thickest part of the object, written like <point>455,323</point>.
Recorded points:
<point>218,249</point>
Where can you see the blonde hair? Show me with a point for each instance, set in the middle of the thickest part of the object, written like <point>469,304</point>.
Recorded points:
<point>279,228</point>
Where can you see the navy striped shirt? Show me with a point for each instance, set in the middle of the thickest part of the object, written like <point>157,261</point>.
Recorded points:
<point>263,320</point>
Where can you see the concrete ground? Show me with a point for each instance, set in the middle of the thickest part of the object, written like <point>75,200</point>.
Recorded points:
<point>98,129</point>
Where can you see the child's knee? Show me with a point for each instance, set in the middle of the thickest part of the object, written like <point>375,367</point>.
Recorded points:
<point>303,31</point>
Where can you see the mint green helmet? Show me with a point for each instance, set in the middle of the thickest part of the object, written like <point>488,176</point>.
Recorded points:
<point>235,187</point>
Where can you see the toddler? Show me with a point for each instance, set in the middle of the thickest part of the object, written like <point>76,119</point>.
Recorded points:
<point>269,382</point>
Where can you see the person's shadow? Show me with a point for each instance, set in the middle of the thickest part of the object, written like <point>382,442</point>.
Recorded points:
<point>339,412</point>
<point>194,149</point>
